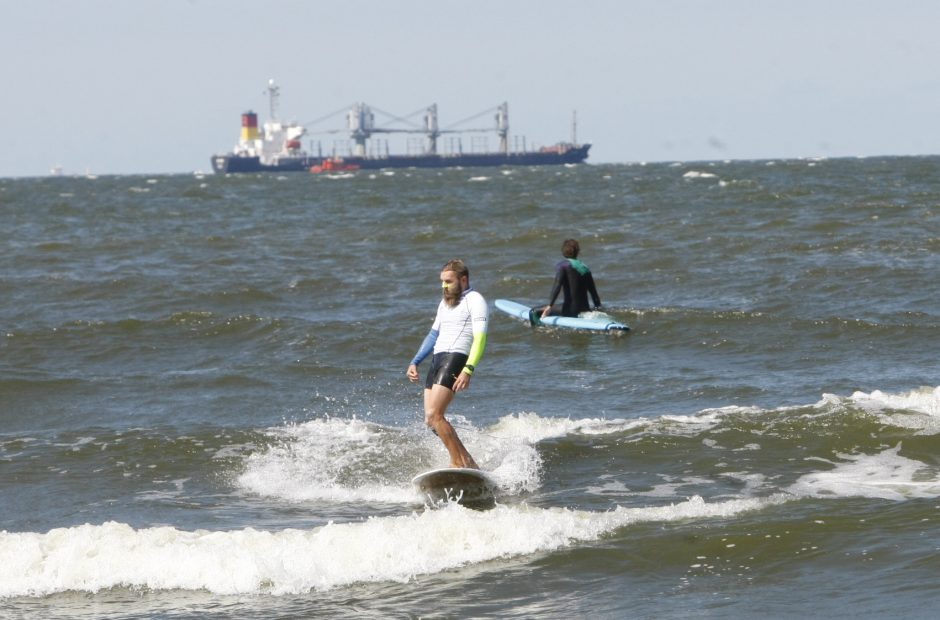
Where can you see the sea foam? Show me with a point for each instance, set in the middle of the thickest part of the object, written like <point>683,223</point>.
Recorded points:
<point>349,460</point>
<point>397,548</point>
<point>885,475</point>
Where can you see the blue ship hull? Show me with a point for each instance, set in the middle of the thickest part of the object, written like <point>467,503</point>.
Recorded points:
<point>223,164</point>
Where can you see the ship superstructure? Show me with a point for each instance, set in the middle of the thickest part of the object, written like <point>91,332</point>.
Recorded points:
<point>276,146</point>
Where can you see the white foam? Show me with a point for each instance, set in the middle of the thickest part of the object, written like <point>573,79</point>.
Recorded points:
<point>918,410</point>
<point>529,427</point>
<point>348,460</point>
<point>516,466</point>
<point>885,475</point>
<point>695,174</point>
<point>329,459</point>
<point>90,558</point>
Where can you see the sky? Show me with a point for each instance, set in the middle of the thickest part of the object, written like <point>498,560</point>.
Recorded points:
<point>158,86</point>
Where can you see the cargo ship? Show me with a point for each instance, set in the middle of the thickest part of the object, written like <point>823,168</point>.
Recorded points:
<point>277,147</point>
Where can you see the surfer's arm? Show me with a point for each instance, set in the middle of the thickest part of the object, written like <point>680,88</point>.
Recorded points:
<point>592,289</point>
<point>556,287</point>
<point>426,347</point>
<point>476,352</point>
<point>462,381</point>
<point>479,314</point>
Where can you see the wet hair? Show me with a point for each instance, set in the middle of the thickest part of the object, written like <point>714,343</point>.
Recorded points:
<point>456,265</point>
<point>570,248</point>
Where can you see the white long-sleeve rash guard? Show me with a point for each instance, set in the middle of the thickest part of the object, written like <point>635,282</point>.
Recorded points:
<point>459,329</point>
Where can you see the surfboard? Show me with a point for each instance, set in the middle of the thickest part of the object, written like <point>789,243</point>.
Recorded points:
<point>465,486</point>
<point>594,321</point>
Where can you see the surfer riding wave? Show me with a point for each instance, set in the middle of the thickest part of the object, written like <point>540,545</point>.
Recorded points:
<point>457,340</point>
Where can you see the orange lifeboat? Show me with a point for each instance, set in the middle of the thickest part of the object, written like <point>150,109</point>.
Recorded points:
<point>333,164</point>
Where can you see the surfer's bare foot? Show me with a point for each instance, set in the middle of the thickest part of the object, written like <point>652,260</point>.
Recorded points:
<point>467,463</point>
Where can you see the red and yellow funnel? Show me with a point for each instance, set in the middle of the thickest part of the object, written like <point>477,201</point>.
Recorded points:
<point>250,127</point>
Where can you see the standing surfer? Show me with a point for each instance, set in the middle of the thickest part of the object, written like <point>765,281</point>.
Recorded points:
<point>457,339</point>
<point>575,279</point>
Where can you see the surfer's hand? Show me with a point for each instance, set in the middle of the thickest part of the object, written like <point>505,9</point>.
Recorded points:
<point>462,382</point>
<point>412,373</point>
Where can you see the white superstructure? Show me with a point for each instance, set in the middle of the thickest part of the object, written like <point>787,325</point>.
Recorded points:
<point>275,140</point>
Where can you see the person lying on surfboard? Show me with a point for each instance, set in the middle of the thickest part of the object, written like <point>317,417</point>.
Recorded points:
<point>574,279</point>
<point>457,339</point>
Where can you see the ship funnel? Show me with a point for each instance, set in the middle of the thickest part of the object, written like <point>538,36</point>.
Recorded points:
<point>249,126</point>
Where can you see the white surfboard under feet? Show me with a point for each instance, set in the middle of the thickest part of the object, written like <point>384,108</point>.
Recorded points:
<point>463,485</point>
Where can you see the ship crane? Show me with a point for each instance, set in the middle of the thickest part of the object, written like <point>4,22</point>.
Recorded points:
<point>360,123</point>
<point>502,125</point>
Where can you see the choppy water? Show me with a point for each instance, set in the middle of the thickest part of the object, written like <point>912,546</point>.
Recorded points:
<point>203,408</point>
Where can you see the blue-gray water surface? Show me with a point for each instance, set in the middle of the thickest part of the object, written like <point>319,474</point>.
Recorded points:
<point>204,412</point>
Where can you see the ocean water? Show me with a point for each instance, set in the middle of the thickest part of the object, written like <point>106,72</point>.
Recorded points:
<point>204,411</point>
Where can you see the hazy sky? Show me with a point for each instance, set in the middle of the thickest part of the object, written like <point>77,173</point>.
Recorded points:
<point>157,86</point>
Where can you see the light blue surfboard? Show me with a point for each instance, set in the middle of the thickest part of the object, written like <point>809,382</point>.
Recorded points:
<point>595,321</point>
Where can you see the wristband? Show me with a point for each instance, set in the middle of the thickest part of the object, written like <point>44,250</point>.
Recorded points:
<point>469,368</point>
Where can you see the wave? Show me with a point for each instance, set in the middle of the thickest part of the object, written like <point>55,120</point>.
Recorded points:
<point>342,460</point>
<point>532,428</point>
<point>188,323</point>
<point>90,558</point>
<point>918,410</point>
<point>350,460</point>
<point>737,451</point>
<point>683,317</point>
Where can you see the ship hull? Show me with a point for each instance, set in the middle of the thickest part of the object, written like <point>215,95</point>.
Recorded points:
<point>224,164</point>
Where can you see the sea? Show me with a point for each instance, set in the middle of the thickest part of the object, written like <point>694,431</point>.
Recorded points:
<point>204,411</point>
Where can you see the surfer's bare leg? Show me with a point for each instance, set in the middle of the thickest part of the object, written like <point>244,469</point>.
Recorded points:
<point>436,401</point>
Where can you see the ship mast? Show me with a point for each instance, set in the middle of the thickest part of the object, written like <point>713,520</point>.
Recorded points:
<point>574,127</point>
<point>273,93</point>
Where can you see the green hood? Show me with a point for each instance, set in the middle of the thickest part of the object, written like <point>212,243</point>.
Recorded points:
<point>579,266</point>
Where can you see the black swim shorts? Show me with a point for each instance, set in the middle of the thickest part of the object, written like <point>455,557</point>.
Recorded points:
<point>444,369</point>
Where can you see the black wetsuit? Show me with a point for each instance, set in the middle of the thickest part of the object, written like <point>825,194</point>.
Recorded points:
<point>576,287</point>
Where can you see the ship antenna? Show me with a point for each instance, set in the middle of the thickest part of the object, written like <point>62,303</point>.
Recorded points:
<point>574,127</point>
<point>273,93</point>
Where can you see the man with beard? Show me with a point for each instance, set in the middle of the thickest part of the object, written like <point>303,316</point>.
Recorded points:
<point>457,338</point>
